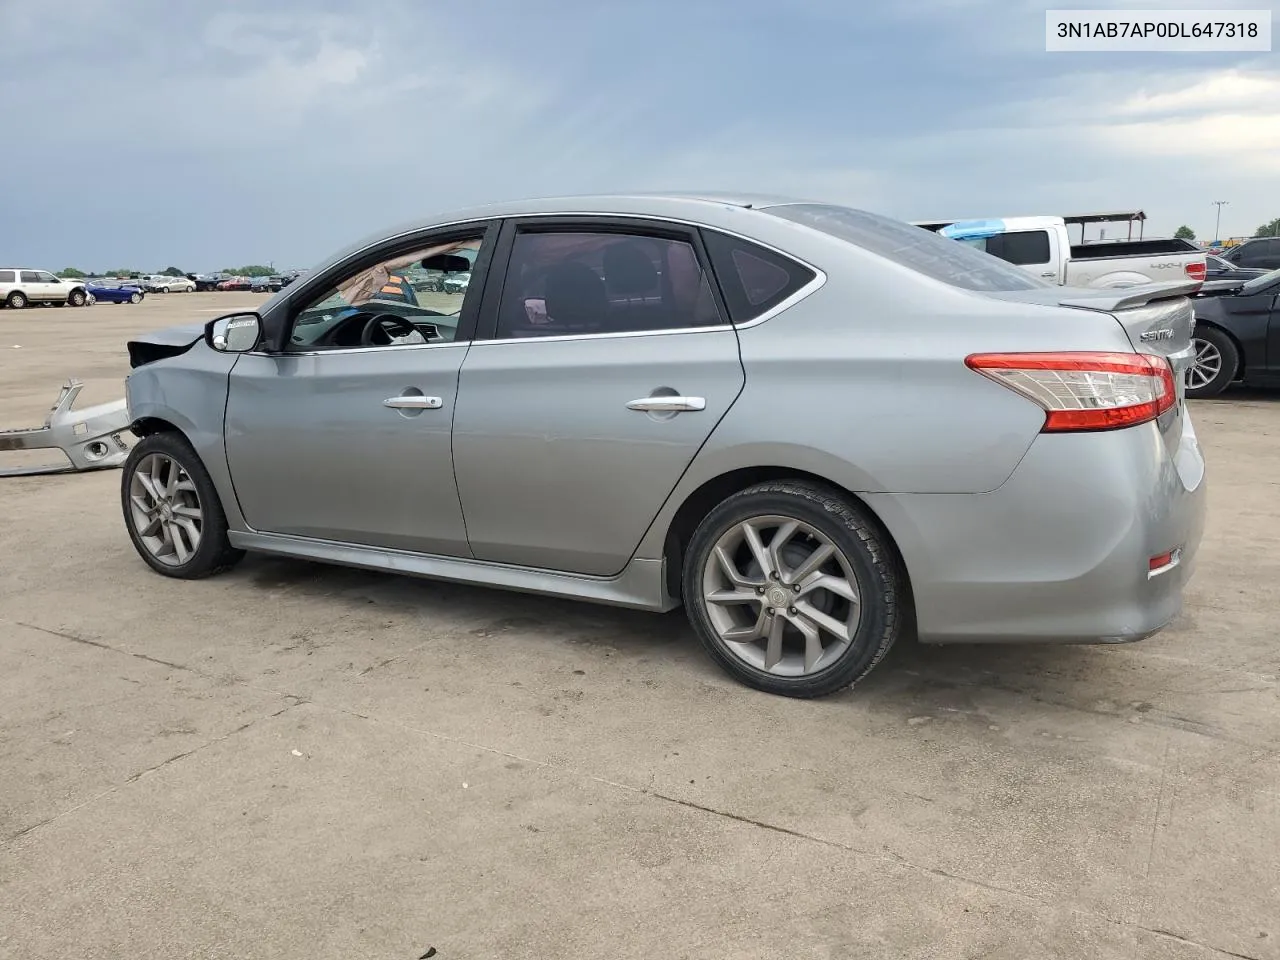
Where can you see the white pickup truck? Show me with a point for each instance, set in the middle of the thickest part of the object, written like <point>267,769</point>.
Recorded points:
<point>1042,247</point>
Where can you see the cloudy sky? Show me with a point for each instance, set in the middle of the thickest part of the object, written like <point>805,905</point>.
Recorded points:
<point>145,133</point>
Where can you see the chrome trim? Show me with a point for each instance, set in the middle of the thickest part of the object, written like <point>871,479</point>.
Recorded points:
<point>819,279</point>
<point>341,351</point>
<point>413,403</point>
<point>641,584</point>
<point>668,404</point>
<point>812,287</point>
<point>719,328</point>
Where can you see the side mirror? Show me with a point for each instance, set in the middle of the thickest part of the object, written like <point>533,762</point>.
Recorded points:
<point>237,333</point>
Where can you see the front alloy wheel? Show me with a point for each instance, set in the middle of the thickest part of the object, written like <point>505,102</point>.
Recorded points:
<point>172,511</point>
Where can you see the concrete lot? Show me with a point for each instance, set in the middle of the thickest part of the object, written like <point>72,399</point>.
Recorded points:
<point>299,761</point>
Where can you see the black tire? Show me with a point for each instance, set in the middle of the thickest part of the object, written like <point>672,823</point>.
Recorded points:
<point>1220,341</point>
<point>214,553</point>
<point>854,533</point>
<point>77,298</point>
<point>136,298</point>
<point>17,300</point>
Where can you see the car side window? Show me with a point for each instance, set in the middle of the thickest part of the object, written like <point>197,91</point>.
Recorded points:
<point>30,276</point>
<point>47,277</point>
<point>752,278</point>
<point>8,276</point>
<point>412,298</point>
<point>584,283</point>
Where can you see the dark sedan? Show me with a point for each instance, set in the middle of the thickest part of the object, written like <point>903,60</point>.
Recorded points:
<point>105,291</point>
<point>1237,335</point>
<point>1218,269</point>
<point>1263,252</point>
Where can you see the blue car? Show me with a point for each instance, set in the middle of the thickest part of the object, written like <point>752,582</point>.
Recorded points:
<point>112,292</point>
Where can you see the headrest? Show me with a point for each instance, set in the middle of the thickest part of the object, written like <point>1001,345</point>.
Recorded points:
<point>575,295</point>
<point>629,269</point>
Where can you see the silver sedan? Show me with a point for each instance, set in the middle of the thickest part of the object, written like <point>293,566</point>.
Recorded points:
<point>817,428</point>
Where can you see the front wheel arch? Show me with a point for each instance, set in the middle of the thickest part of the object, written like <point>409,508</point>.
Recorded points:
<point>146,426</point>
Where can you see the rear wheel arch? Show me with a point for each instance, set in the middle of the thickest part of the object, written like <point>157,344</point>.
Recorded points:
<point>710,494</point>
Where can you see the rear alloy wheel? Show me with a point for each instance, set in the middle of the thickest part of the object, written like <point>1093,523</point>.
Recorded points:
<point>1215,364</point>
<point>791,589</point>
<point>172,511</point>
<point>17,300</point>
<point>136,298</point>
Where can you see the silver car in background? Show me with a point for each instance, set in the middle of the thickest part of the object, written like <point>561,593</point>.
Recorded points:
<point>814,427</point>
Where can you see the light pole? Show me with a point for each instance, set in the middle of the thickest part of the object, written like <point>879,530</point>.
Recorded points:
<point>1217,240</point>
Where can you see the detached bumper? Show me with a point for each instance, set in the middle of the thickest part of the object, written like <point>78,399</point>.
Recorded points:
<point>91,438</point>
<point>1091,540</point>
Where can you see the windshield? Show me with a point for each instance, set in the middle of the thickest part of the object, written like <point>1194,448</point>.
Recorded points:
<point>918,249</point>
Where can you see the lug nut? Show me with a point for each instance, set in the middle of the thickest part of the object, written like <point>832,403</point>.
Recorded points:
<point>759,589</point>
<point>795,588</point>
<point>769,611</point>
<point>791,610</point>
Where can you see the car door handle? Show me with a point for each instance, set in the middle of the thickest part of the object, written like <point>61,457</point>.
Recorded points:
<point>414,403</point>
<point>1049,273</point>
<point>668,404</point>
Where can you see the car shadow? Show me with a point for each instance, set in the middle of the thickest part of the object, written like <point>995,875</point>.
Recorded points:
<point>915,675</point>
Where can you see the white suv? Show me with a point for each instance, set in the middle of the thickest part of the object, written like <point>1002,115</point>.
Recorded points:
<point>19,288</point>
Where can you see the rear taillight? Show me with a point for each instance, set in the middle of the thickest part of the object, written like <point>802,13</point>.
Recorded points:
<point>1196,271</point>
<point>1085,391</point>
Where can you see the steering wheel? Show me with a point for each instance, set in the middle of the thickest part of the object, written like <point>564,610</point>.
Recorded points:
<point>389,325</point>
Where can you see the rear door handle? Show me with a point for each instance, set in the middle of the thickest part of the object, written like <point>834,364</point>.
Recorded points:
<point>668,404</point>
<point>414,403</point>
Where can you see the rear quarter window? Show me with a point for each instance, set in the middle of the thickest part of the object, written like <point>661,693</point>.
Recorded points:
<point>753,279</point>
<point>915,248</point>
<point>8,276</point>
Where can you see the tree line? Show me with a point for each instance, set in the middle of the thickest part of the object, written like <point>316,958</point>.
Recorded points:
<point>1271,229</point>
<point>253,270</point>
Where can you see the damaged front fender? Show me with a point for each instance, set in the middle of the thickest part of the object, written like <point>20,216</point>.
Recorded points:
<point>91,438</point>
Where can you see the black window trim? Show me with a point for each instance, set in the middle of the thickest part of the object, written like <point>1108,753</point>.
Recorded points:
<point>817,279</point>
<point>628,224</point>
<point>279,319</point>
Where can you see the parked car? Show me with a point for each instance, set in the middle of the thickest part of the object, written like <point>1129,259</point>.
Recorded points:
<point>1237,335</point>
<point>1219,269</point>
<point>811,425</point>
<point>163,284</point>
<point>114,291</point>
<point>457,283</point>
<point>1042,246</point>
<point>264,284</point>
<point>235,283</point>
<point>20,287</point>
<point>289,278</point>
<point>208,281</point>
<point>1261,252</point>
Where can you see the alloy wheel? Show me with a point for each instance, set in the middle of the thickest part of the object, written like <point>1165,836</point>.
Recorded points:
<point>1206,366</point>
<point>165,509</point>
<point>781,596</point>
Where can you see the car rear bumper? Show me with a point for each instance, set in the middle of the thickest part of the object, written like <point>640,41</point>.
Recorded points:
<point>1062,551</point>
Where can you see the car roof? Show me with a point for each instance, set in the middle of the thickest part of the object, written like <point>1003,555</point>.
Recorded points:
<point>710,208</point>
